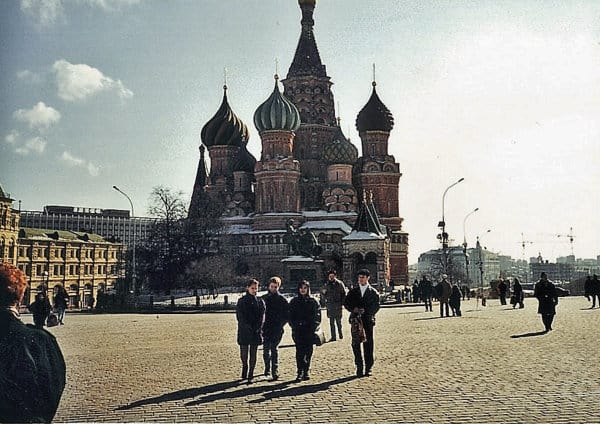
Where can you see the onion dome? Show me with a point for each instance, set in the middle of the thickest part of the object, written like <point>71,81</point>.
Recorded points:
<point>277,113</point>
<point>225,128</point>
<point>375,116</point>
<point>340,150</point>
<point>243,161</point>
<point>309,2</point>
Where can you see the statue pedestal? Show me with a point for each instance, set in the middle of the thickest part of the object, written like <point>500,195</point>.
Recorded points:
<point>298,268</point>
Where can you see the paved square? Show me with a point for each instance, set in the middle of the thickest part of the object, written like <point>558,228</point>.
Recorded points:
<point>185,367</point>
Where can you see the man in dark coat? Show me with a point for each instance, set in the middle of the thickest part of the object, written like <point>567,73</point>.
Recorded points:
<point>363,302</point>
<point>40,309</point>
<point>334,294</point>
<point>276,316</point>
<point>545,292</point>
<point>305,318</point>
<point>454,301</point>
<point>518,294</point>
<point>587,289</point>
<point>502,290</point>
<point>595,291</point>
<point>426,292</point>
<point>444,291</point>
<point>32,367</point>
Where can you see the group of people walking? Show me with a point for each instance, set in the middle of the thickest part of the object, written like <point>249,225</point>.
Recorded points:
<point>592,290</point>
<point>41,309</point>
<point>261,320</point>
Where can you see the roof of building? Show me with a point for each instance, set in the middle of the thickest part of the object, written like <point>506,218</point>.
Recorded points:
<point>244,161</point>
<point>367,220</point>
<point>277,113</point>
<point>224,128</point>
<point>60,235</point>
<point>327,225</point>
<point>4,195</point>
<point>374,116</point>
<point>340,150</point>
<point>307,61</point>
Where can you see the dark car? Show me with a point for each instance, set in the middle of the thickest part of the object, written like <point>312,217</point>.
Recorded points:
<point>560,292</point>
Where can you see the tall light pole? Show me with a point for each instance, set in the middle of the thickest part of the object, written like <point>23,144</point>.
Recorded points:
<point>133,272</point>
<point>465,245</point>
<point>443,237</point>
<point>480,266</point>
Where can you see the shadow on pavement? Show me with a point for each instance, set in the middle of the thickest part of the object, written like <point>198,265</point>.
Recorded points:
<point>181,394</point>
<point>423,319</point>
<point>302,390</point>
<point>246,390</point>
<point>537,333</point>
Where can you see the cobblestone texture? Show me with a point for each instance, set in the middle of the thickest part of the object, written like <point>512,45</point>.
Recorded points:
<point>185,367</point>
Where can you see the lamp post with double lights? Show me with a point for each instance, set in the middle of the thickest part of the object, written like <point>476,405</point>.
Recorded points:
<point>443,237</point>
<point>133,271</point>
<point>480,263</point>
<point>465,246</point>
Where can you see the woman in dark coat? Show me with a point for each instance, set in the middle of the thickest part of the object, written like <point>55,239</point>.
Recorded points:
<point>545,292</point>
<point>32,368</point>
<point>454,301</point>
<point>305,318</point>
<point>40,309</point>
<point>518,294</point>
<point>250,313</point>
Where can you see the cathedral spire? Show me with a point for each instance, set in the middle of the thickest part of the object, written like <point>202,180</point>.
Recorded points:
<point>199,185</point>
<point>307,61</point>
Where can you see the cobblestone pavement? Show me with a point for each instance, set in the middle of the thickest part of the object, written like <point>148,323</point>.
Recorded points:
<point>185,367</point>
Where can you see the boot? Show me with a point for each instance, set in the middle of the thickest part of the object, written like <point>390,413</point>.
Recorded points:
<point>244,372</point>
<point>300,375</point>
<point>305,377</point>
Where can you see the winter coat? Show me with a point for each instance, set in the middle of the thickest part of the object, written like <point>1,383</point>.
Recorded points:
<point>518,291</point>
<point>426,289</point>
<point>305,318</point>
<point>40,309</point>
<point>369,302</point>
<point>455,297</point>
<point>32,372</point>
<point>595,285</point>
<point>587,287</point>
<point>546,295</point>
<point>60,299</point>
<point>444,291</point>
<point>276,315</point>
<point>502,288</point>
<point>334,293</point>
<point>250,313</point>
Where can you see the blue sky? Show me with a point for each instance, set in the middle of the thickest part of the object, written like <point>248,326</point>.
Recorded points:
<point>505,94</point>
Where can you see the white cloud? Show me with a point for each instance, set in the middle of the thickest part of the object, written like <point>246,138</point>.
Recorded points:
<point>11,137</point>
<point>39,116</point>
<point>80,81</point>
<point>77,162</point>
<point>34,144</point>
<point>110,5</point>
<point>27,75</point>
<point>43,12</point>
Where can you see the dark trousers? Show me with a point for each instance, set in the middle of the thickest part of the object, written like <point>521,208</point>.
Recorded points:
<point>456,311</point>
<point>248,357</point>
<point>442,309</point>
<point>333,321</point>
<point>368,350</point>
<point>503,299</point>
<point>303,356</point>
<point>427,301</point>
<point>547,320</point>
<point>594,296</point>
<point>271,352</point>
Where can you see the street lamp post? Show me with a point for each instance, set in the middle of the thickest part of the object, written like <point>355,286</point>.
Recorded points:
<point>465,246</point>
<point>443,237</point>
<point>480,267</point>
<point>133,272</point>
<point>46,282</point>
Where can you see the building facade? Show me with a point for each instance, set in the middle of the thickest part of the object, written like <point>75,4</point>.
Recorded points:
<point>112,224</point>
<point>9,229</point>
<point>309,174</point>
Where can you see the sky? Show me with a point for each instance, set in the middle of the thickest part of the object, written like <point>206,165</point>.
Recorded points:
<point>506,95</point>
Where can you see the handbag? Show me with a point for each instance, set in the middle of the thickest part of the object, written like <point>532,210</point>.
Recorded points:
<point>319,337</point>
<point>52,320</point>
<point>357,330</point>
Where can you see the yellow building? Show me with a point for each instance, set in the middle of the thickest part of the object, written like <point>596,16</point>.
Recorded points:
<point>9,229</point>
<point>84,264</point>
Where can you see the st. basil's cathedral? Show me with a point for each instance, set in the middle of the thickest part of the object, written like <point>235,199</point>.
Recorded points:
<point>309,179</point>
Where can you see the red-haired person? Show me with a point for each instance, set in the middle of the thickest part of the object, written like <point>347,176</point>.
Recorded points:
<point>32,368</point>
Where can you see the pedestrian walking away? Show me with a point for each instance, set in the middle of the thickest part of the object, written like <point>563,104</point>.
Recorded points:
<point>545,292</point>
<point>334,293</point>
<point>426,292</point>
<point>305,318</point>
<point>276,316</point>
<point>40,309</point>
<point>518,295</point>
<point>454,301</point>
<point>444,291</point>
<point>363,303</point>
<point>250,313</point>
<point>60,302</point>
<point>32,367</point>
<point>502,290</point>
<point>595,293</point>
